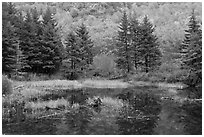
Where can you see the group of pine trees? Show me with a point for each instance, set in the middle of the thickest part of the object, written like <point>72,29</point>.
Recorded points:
<point>191,51</point>
<point>137,46</point>
<point>79,54</point>
<point>28,43</point>
<point>31,43</point>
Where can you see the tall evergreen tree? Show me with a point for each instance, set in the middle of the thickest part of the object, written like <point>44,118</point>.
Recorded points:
<point>135,41</point>
<point>9,44</point>
<point>29,43</point>
<point>73,57</point>
<point>149,48</point>
<point>85,45</point>
<point>191,51</point>
<point>123,45</point>
<point>9,37</point>
<point>51,45</point>
<point>41,43</point>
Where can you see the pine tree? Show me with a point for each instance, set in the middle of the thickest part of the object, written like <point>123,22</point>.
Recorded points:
<point>73,57</point>
<point>9,37</point>
<point>135,41</point>
<point>149,48</point>
<point>29,43</point>
<point>123,45</point>
<point>191,51</point>
<point>47,17</point>
<point>51,45</point>
<point>85,44</point>
<point>9,43</point>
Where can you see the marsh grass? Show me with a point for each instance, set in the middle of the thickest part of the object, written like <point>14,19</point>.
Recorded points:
<point>51,104</point>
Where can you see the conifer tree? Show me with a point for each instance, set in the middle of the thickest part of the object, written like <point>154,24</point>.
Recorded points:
<point>191,51</point>
<point>9,37</point>
<point>51,45</point>
<point>9,43</point>
<point>85,45</point>
<point>73,57</point>
<point>135,41</point>
<point>123,45</point>
<point>149,48</point>
<point>29,43</point>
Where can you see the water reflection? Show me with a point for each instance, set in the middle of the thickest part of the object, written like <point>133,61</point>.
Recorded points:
<point>75,122</point>
<point>192,117</point>
<point>128,112</point>
<point>169,119</point>
<point>140,115</point>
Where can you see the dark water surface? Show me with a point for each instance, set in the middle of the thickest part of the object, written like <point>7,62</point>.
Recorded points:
<point>131,111</point>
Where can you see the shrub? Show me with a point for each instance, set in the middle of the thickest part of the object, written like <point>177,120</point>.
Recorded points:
<point>141,77</point>
<point>6,85</point>
<point>36,77</point>
<point>71,75</point>
<point>104,65</point>
<point>177,76</point>
<point>74,12</point>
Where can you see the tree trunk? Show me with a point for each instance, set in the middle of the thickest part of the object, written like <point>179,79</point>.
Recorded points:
<point>146,65</point>
<point>135,61</point>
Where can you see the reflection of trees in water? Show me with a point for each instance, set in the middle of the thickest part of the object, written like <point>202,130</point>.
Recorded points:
<point>194,92</point>
<point>75,122</point>
<point>169,122</point>
<point>79,97</point>
<point>192,117</point>
<point>140,116</point>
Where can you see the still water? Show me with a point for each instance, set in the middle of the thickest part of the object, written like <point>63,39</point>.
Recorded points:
<point>131,111</point>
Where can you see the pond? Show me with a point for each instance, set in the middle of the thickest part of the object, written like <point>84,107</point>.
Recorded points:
<point>131,111</point>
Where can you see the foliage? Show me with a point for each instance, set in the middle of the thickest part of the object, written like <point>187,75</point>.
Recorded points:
<point>40,28</point>
<point>137,45</point>
<point>149,48</point>
<point>51,45</point>
<point>79,54</point>
<point>191,50</point>
<point>21,65</point>
<point>123,45</point>
<point>85,44</point>
<point>73,59</point>
<point>39,42</point>
<point>9,44</point>
<point>9,37</point>
<point>6,85</point>
<point>136,40</point>
<point>104,65</point>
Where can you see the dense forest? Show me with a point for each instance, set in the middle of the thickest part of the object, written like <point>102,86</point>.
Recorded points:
<point>143,41</point>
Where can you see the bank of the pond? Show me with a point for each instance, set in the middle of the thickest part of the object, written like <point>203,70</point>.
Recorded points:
<point>91,83</point>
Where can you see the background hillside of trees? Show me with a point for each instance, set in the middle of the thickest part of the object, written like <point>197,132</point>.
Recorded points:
<point>87,39</point>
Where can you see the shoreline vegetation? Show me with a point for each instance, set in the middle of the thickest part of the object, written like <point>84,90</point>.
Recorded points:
<point>91,83</point>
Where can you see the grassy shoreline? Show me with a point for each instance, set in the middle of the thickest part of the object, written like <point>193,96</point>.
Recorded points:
<point>89,83</point>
